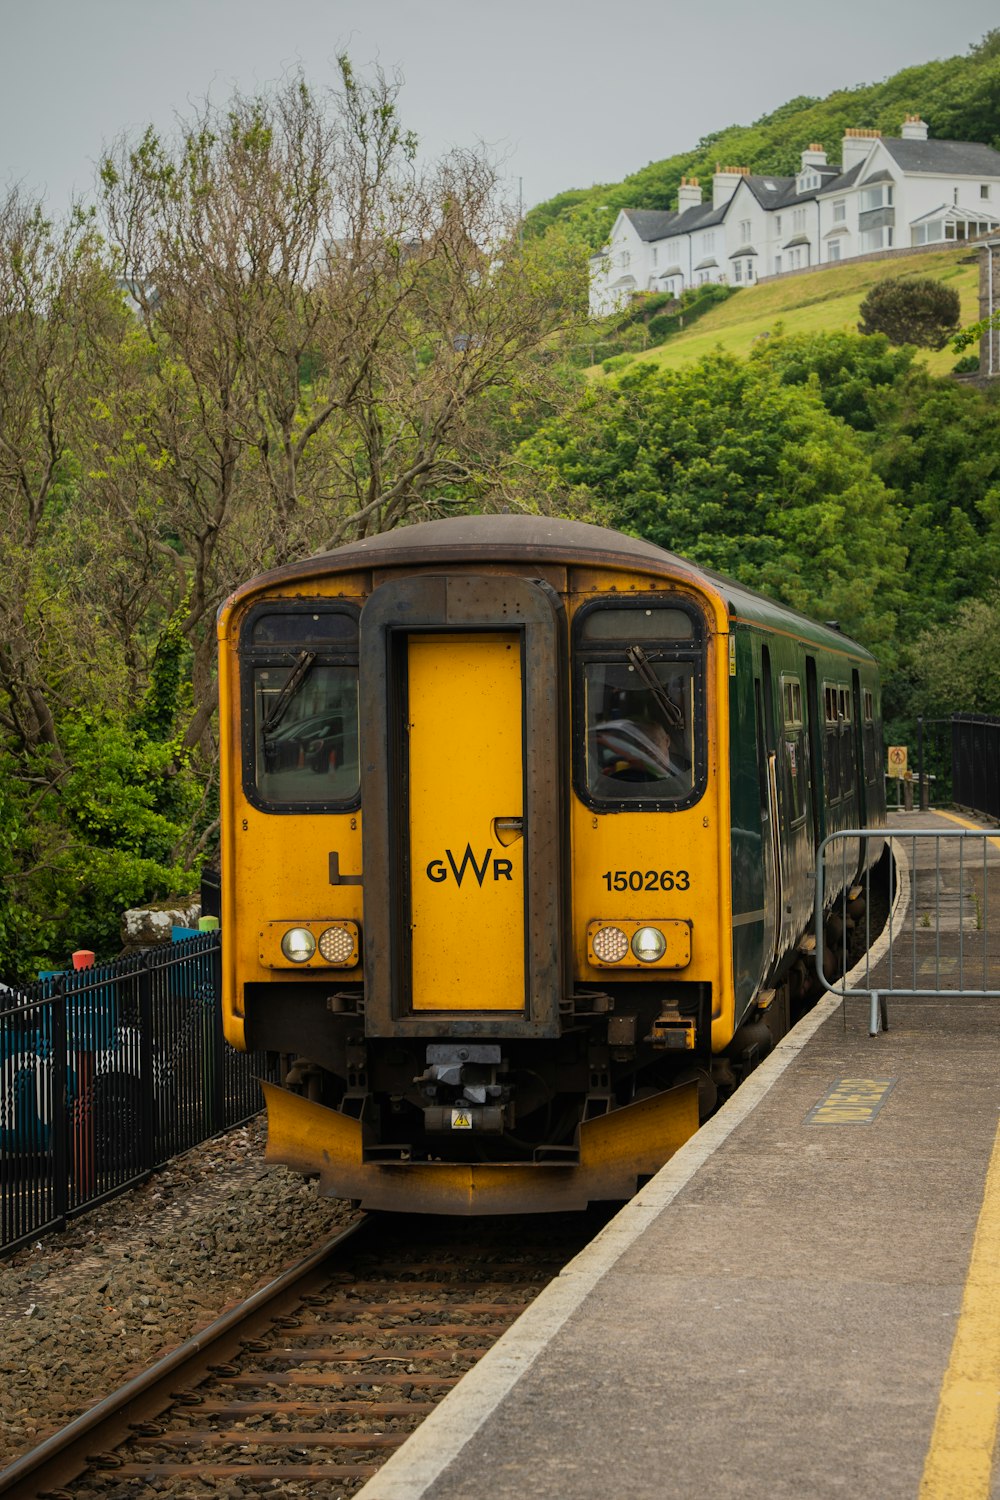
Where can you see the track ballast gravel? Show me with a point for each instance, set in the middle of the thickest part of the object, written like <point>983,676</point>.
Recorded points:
<point>82,1311</point>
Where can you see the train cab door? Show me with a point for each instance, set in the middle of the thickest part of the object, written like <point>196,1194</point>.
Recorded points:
<point>462,740</point>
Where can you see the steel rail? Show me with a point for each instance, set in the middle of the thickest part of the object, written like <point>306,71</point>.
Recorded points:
<point>65,1454</point>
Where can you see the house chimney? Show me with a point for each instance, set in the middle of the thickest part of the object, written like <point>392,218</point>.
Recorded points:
<point>855,147</point>
<point>813,156</point>
<point>914,128</point>
<point>725,182</point>
<point>688,194</point>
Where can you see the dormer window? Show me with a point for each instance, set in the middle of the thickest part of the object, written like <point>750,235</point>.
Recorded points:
<point>984,190</point>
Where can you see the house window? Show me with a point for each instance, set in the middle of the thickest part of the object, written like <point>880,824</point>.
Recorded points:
<point>798,221</point>
<point>737,270</point>
<point>876,197</point>
<point>954,195</point>
<point>875,239</point>
<point>833,250</point>
<point>777,265</point>
<point>708,240</point>
<point>744,230</point>
<point>927,234</point>
<point>984,190</point>
<point>655,254</point>
<point>748,270</point>
<point>626,259</point>
<point>777,223</point>
<point>839,210</point>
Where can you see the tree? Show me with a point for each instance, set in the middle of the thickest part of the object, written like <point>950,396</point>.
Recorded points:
<point>912,310</point>
<point>325,330</point>
<point>730,467</point>
<point>955,667</point>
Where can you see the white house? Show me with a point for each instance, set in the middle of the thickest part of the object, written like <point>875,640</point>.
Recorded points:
<point>887,193</point>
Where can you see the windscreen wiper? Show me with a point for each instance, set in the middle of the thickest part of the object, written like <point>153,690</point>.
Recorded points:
<point>640,661</point>
<point>290,687</point>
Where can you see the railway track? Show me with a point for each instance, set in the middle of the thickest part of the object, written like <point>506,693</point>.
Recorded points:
<point>320,1376</point>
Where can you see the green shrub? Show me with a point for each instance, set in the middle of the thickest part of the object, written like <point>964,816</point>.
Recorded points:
<point>967,365</point>
<point>661,327</point>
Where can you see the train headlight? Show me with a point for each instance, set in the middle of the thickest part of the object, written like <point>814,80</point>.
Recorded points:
<point>610,944</point>
<point>649,944</point>
<point>298,945</point>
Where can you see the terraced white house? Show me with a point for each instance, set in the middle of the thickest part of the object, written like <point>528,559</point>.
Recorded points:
<point>887,193</point>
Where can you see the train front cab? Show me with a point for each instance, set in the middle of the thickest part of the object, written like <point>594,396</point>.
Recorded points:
<point>516,948</point>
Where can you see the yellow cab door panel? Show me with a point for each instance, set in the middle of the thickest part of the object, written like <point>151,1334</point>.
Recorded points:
<point>465,797</point>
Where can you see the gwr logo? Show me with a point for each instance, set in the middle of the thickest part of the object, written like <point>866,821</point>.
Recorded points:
<point>437,870</point>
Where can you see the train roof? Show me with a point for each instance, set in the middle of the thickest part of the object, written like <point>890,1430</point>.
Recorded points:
<point>510,538</point>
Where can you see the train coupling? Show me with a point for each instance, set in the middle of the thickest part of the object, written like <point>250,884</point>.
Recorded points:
<point>465,1088</point>
<point>674,1033</point>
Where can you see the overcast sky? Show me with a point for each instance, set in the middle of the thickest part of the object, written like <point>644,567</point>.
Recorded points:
<point>572,92</point>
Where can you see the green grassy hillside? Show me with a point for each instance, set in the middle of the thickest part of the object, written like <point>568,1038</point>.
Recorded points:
<point>826,300</point>
<point>959,97</point>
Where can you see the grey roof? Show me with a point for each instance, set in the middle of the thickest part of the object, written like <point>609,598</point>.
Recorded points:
<point>837,229</point>
<point>651,223</point>
<point>769,197</point>
<point>877,177</point>
<point>845,180</point>
<point>950,158</point>
<point>743,250</point>
<point>706,265</point>
<point>799,239</point>
<point>461,540</point>
<point>672,271</point>
<point>702,216</point>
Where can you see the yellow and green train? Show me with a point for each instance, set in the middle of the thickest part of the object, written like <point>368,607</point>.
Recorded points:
<point>519,821</point>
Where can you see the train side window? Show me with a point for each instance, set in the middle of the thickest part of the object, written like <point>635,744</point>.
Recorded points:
<point>831,741</point>
<point>794,738</point>
<point>846,736</point>
<point>638,687</point>
<point>868,733</point>
<point>299,670</point>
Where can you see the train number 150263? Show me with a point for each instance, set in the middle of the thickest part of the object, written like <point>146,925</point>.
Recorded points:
<point>647,880</point>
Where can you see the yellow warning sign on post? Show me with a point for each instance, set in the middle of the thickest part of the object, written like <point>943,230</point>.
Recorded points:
<point>897,760</point>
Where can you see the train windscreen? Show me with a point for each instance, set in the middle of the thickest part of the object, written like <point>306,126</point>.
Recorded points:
<point>639,692</point>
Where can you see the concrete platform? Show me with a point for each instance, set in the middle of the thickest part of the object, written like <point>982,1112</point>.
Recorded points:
<point>775,1314</point>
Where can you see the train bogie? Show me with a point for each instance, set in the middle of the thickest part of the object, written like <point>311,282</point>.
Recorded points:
<point>519,824</point>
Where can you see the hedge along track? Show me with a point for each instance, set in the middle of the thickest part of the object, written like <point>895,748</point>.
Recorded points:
<point>320,1376</point>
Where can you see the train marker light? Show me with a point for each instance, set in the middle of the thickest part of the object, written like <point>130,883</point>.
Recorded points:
<point>298,945</point>
<point>649,944</point>
<point>610,944</point>
<point>337,945</point>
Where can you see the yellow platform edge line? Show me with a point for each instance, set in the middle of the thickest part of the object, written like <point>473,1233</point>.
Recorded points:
<point>959,1459</point>
<point>964,822</point>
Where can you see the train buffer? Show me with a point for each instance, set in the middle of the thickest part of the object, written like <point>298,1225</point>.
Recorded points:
<point>805,1301</point>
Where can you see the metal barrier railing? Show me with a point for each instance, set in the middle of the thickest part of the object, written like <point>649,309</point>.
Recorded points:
<point>939,935</point>
<point>108,1072</point>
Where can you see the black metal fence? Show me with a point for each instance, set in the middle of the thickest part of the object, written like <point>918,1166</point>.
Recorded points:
<point>108,1072</point>
<point>975,741</point>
